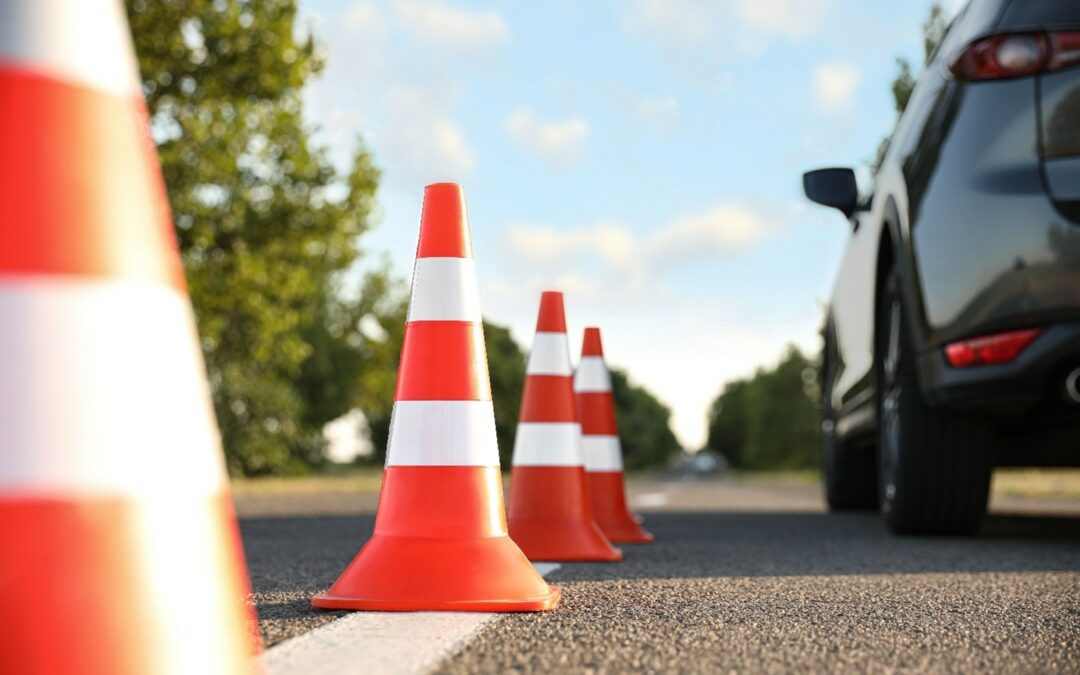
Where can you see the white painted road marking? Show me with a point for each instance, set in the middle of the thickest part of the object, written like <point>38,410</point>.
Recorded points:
<point>379,642</point>
<point>650,499</point>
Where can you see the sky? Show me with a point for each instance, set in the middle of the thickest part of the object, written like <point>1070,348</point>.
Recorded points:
<point>642,156</point>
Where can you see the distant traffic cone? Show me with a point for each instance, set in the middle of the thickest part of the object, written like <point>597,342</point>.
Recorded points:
<point>600,440</point>
<point>120,548</point>
<point>550,513</point>
<point>440,538</point>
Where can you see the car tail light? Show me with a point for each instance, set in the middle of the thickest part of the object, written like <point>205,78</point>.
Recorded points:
<point>988,349</point>
<point>1016,55</point>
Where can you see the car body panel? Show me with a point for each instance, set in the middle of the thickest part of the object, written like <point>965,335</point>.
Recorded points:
<point>974,199</point>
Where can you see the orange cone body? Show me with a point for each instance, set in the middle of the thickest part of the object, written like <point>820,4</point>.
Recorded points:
<point>120,549</point>
<point>440,539</point>
<point>550,514</point>
<point>600,442</point>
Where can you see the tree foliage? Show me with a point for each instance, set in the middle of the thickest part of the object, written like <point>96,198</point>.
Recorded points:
<point>644,425</point>
<point>644,428</point>
<point>771,420</point>
<point>506,363</point>
<point>267,226</point>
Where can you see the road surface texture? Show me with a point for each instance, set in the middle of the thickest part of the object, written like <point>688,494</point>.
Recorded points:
<point>743,577</point>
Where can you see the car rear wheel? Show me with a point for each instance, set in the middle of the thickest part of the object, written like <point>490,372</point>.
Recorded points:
<point>934,465</point>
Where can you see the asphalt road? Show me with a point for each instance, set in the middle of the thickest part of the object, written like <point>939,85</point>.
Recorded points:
<point>742,578</point>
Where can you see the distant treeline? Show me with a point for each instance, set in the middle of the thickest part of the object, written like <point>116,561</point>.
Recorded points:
<point>771,420</point>
<point>644,429</point>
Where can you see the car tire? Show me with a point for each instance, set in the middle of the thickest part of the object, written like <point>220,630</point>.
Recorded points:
<point>850,472</point>
<point>934,465</point>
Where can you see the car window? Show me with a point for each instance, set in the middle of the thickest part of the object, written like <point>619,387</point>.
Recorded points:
<point>1021,14</point>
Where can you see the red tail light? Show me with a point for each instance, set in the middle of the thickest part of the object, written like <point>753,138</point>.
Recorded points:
<point>988,349</point>
<point>1016,55</point>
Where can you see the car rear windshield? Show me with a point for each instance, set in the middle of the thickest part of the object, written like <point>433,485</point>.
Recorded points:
<point>1040,14</point>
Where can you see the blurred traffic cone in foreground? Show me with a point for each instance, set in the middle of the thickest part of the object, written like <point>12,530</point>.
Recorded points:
<point>550,514</point>
<point>440,538</point>
<point>600,441</point>
<point>120,549</point>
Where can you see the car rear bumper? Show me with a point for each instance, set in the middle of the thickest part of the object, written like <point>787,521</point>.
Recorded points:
<point>1036,377</point>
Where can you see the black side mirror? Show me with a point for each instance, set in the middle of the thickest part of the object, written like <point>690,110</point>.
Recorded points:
<point>832,187</point>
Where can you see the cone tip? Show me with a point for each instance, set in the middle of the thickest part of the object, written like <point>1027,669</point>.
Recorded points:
<point>552,316</point>
<point>444,223</point>
<point>591,344</point>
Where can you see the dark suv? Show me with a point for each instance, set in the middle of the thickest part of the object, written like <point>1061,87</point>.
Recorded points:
<point>952,340</point>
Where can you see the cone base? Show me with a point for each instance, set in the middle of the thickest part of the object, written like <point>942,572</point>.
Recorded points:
<point>562,541</point>
<point>413,574</point>
<point>550,517</point>
<point>608,495</point>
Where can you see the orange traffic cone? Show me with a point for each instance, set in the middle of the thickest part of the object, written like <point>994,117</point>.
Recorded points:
<point>550,514</point>
<point>440,538</point>
<point>600,440</point>
<point>120,548</point>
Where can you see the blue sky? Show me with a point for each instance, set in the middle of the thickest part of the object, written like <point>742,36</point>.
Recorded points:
<point>642,156</point>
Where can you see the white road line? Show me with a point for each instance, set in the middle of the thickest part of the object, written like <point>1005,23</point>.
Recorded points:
<point>379,642</point>
<point>650,499</point>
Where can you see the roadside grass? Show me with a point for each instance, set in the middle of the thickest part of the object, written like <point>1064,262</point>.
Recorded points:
<point>1044,484</point>
<point>1037,483</point>
<point>358,479</point>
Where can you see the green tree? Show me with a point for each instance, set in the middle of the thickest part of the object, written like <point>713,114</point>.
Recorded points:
<point>644,425</point>
<point>644,431</point>
<point>267,227</point>
<point>506,363</point>
<point>934,29</point>
<point>769,421</point>
<point>727,422</point>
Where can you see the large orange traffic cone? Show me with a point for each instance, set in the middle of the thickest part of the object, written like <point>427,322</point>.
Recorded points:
<point>440,538</point>
<point>120,548</point>
<point>550,513</point>
<point>600,440</point>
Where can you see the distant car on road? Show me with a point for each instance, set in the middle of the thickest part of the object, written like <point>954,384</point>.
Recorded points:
<point>952,339</point>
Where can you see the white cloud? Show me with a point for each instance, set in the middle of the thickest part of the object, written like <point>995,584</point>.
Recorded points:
<point>834,86</point>
<point>718,26</point>
<point>723,230</point>
<point>365,17</point>
<point>672,20</point>
<point>792,18</point>
<point>420,140</point>
<point>660,112</point>
<point>612,243</point>
<point>558,142</point>
<point>445,25</point>
<point>406,115</point>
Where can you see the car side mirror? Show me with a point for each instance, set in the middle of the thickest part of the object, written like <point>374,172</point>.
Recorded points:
<point>832,187</point>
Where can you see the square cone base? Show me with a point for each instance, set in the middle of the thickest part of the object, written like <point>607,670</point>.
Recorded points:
<point>413,574</point>
<point>608,495</point>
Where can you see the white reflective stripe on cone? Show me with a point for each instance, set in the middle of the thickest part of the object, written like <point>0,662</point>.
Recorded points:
<point>548,444</point>
<point>442,433</point>
<point>602,453</point>
<point>85,42</point>
<point>444,289</point>
<point>592,375</point>
<point>550,355</point>
<point>103,391</point>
